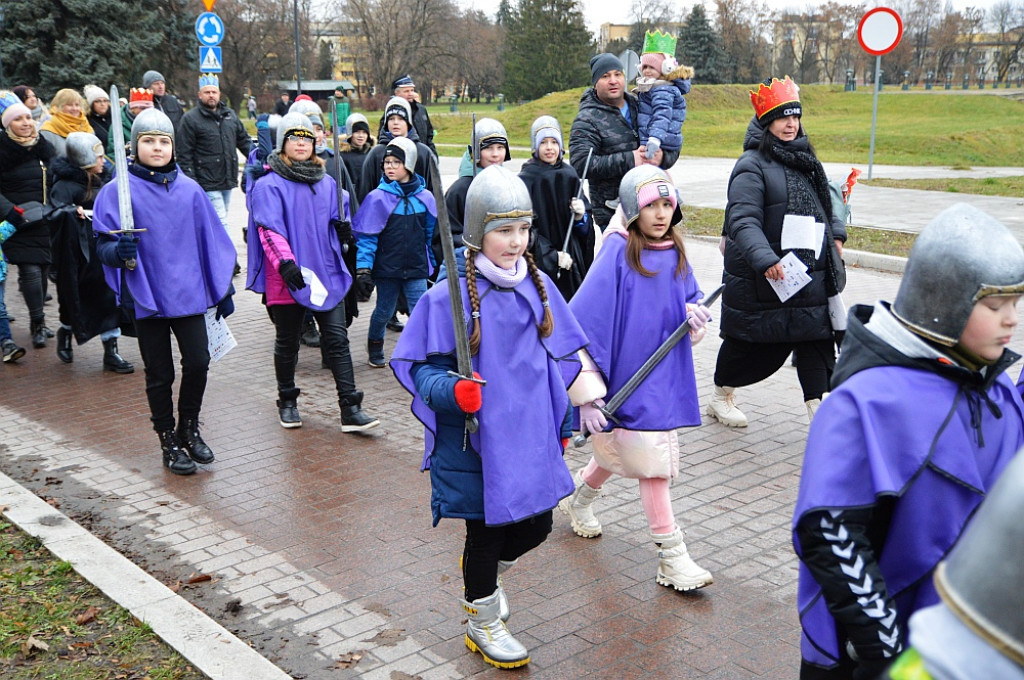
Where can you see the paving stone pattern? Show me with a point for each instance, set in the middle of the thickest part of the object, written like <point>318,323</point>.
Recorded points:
<point>324,539</point>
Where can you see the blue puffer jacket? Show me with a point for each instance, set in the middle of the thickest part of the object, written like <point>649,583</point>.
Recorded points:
<point>663,112</point>
<point>402,249</point>
<point>456,473</point>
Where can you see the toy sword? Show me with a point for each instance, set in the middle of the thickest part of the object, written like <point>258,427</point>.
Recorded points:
<point>124,196</point>
<point>462,353</point>
<point>629,388</point>
<point>572,218</point>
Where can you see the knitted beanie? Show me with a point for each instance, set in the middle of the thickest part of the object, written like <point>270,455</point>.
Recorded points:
<point>92,93</point>
<point>601,64</point>
<point>150,77</point>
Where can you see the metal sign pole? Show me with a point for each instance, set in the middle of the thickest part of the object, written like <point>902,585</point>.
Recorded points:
<point>874,113</point>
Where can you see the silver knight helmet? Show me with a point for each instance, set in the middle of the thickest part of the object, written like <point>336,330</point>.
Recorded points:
<point>543,127</point>
<point>640,186</point>
<point>487,132</point>
<point>960,257</point>
<point>495,198</point>
<point>407,152</point>
<point>83,148</point>
<point>151,122</point>
<point>297,124</point>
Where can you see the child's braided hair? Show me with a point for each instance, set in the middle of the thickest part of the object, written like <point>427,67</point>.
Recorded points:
<point>544,328</point>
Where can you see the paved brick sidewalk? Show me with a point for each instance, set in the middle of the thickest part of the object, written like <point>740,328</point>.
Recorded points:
<point>320,543</point>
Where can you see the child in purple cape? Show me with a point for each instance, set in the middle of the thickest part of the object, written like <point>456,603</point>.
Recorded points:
<point>166,279</point>
<point>295,260</point>
<point>393,227</point>
<point>640,289</point>
<point>504,479</point>
<point>920,422</point>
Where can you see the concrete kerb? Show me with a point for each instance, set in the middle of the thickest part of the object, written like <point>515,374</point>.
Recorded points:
<point>207,645</point>
<point>852,258</point>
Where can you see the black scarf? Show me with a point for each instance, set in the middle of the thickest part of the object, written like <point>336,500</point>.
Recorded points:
<point>307,172</point>
<point>797,155</point>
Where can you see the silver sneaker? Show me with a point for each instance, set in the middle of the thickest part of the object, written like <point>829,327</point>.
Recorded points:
<point>486,633</point>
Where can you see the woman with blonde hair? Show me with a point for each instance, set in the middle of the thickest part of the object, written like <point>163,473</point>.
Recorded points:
<point>67,115</point>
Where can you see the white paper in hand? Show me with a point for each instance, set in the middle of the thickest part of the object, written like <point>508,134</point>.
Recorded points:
<point>317,290</point>
<point>803,232</point>
<point>796,277</point>
<point>220,341</point>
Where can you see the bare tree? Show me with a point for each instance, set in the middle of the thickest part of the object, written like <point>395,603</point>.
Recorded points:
<point>837,44</point>
<point>745,27</point>
<point>648,15</point>
<point>1006,18</point>
<point>478,62</point>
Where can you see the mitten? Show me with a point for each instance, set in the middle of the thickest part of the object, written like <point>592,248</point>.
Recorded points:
<point>578,208</point>
<point>468,394</point>
<point>292,274</point>
<point>653,146</point>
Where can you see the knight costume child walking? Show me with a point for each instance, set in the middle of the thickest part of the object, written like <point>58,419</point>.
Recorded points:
<point>920,423</point>
<point>295,259</point>
<point>167,278</point>
<point>505,478</point>
<point>640,289</point>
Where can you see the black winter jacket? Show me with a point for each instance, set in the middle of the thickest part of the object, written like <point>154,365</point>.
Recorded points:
<point>751,310</point>
<point>601,127</point>
<point>420,122</point>
<point>24,177</point>
<point>206,147</point>
<point>171,106</point>
<point>100,126</point>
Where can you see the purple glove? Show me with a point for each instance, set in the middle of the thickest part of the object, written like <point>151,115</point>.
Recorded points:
<point>698,315</point>
<point>591,417</point>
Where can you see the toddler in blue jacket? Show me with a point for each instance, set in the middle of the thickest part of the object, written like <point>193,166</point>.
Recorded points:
<point>660,89</point>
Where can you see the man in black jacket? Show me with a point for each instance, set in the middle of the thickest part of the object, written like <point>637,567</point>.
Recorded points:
<point>207,142</point>
<point>162,99</point>
<point>607,123</point>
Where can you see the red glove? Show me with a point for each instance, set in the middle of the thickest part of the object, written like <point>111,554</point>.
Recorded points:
<point>468,394</point>
<point>565,443</point>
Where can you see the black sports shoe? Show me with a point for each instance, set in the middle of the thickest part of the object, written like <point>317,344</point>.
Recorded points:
<point>288,414</point>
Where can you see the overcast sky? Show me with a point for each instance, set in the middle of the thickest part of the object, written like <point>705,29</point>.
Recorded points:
<point>598,12</point>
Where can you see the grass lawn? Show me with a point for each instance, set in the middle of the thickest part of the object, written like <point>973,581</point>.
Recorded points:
<point>708,222</point>
<point>53,624</point>
<point>988,186</point>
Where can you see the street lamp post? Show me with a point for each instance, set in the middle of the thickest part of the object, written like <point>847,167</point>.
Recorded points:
<point>298,65</point>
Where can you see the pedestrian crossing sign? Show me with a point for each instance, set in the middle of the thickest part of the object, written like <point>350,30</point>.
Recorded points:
<point>209,60</point>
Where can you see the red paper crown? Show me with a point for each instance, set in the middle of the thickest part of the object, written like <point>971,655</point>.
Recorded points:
<point>768,97</point>
<point>140,94</point>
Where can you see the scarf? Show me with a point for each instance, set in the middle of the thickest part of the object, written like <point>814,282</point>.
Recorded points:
<point>63,124</point>
<point>24,141</point>
<point>797,155</point>
<point>503,278</point>
<point>307,172</point>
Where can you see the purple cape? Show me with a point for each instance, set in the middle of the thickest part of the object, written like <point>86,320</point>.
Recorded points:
<point>302,214</point>
<point>376,208</point>
<point>626,316</point>
<point>524,400</point>
<point>185,259</point>
<point>884,433</point>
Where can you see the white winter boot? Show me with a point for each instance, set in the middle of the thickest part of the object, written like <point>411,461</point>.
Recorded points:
<point>486,633</point>
<point>722,408</point>
<point>577,507</point>
<point>675,567</point>
<point>812,408</point>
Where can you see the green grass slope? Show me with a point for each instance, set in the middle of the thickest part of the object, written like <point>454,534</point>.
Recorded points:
<point>938,128</point>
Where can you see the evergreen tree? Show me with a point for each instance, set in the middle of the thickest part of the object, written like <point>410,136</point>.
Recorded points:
<point>52,44</point>
<point>547,48</point>
<point>700,46</point>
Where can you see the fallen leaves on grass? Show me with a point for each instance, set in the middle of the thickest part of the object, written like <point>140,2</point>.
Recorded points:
<point>33,644</point>
<point>87,616</point>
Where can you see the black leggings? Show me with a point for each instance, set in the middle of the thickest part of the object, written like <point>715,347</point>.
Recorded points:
<point>486,545</point>
<point>32,283</point>
<point>289,321</point>
<point>742,363</point>
<point>154,336</point>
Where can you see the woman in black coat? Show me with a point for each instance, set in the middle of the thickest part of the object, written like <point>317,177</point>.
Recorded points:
<point>778,188</point>
<point>24,179</point>
<point>87,305</point>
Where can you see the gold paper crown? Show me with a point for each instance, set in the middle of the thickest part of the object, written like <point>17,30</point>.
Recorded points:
<point>768,97</point>
<point>659,41</point>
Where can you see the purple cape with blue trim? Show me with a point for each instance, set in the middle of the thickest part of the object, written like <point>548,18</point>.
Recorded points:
<point>626,316</point>
<point>376,208</point>
<point>301,214</point>
<point>524,400</point>
<point>893,431</point>
<point>185,259</point>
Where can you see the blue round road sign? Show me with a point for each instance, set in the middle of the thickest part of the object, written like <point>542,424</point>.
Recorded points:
<point>209,29</point>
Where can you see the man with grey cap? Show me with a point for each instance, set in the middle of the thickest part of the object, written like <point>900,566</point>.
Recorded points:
<point>607,123</point>
<point>162,99</point>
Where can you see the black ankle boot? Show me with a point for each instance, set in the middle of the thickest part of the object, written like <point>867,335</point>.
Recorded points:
<point>375,350</point>
<point>112,361</point>
<point>352,417</point>
<point>188,435</point>
<point>288,414</point>
<point>175,458</point>
<point>64,350</point>
<point>38,331</point>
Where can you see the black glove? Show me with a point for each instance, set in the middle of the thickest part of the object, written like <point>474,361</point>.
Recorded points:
<point>343,228</point>
<point>127,247</point>
<point>364,283</point>
<point>226,307</point>
<point>14,216</point>
<point>291,274</point>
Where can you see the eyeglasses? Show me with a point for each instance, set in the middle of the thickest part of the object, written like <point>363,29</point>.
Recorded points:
<point>393,163</point>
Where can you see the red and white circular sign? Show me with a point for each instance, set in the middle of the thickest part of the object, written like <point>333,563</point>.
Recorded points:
<point>880,31</point>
